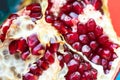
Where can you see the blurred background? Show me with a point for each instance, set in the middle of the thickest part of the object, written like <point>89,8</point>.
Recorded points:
<point>11,6</point>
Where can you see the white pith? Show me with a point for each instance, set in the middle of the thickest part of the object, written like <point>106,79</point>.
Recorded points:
<point>45,32</point>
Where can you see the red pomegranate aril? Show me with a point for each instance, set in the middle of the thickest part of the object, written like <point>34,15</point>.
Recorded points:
<point>38,49</point>
<point>33,6</point>
<point>77,57</point>
<point>103,39</point>
<point>42,64</point>
<point>13,16</point>
<point>114,56</point>
<point>53,46</point>
<point>67,57</point>
<point>13,47</point>
<point>109,65</point>
<point>61,60</point>
<point>84,39</point>
<point>32,40</point>
<point>81,68</point>
<point>75,76</point>
<point>87,65</point>
<point>29,76</point>
<point>49,18</point>
<point>97,4</point>
<point>71,38</point>
<point>88,74</point>
<point>81,28</point>
<point>22,45</point>
<point>66,8</point>
<point>5,29</point>
<point>93,45</point>
<point>77,46</point>
<point>86,50</point>
<point>91,36</point>
<point>35,70</point>
<point>106,54</point>
<point>98,31</point>
<point>96,59</point>
<point>35,15</point>
<point>77,7</point>
<point>90,25</point>
<point>94,73</point>
<point>49,57</point>
<point>25,55</point>
<point>66,19</point>
<point>2,37</point>
<point>104,63</point>
<point>72,65</point>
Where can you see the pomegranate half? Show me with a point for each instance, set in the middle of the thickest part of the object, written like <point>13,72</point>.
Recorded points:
<point>59,40</point>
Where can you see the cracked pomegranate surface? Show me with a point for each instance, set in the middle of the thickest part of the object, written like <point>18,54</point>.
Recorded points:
<point>59,40</point>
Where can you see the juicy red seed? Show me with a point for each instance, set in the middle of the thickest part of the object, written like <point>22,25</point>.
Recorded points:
<point>73,15</point>
<point>25,55</point>
<point>106,54</point>
<point>32,6</point>
<point>94,73</point>
<point>5,29</point>
<point>97,4</point>
<point>91,36</point>
<point>39,49</point>
<point>22,45</point>
<point>66,19</point>
<point>49,57</point>
<point>71,38</point>
<point>32,40</point>
<point>13,16</point>
<point>35,70</point>
<point>91,25</point>
<point>81,68</point>
<point>77,7</point>
<point>77,46</point>
<point>93,45</point>
<point>109,65</point>
<point>67,57</point>
<point>61,59</point>
<point>53,46</point>
<point>2,37</point>
<point>86,50</point>
<point>29,76</point>
<point>114,56</point>
<point>104,63</point>
<point>98,31</point>
<point>49,18</point>
<point>103,39</point>
<point>77,57</point>
<point>13,47</point>
<point>74,76</point>
<point>35,15</point>
<point>81,28</point>
<point>66,8</point>
<point>88,74</point>
<point>42,64</point>
<point>96,59</point>
<point>87,65</point>
<point>72,65</point>
<point>84,39</point>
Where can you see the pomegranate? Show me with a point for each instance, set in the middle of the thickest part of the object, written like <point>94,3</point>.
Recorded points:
<point>59,40</point>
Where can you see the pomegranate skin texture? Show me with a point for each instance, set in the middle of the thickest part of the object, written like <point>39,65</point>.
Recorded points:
<point>59,40</point>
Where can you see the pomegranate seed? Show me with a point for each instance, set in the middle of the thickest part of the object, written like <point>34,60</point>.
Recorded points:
<point>53,47</point>
<point>13,16</point>
<point>34,6</point>
<point>81,28</point>
<point>25,55</point>
<point>94,73</point>
<point>67,57</point>
<point>88,74</point>
<point>83,39</point>
<point>72,65</point>
<point>91,25</point>
<point>2,37</point>
<point>49,18</point>
<point>32,40</point>
<point>81,68</point>
<point>106,54</point>
<point>42,64</point>
<point>29,76</point>
<point>66,19</point>
<point>13,47</point>
<point>97,4</point>
<point>93,45</point>
<point>96,59</point>
<point>61,60</point>
<point>39,49</point>
<point>72,38</point>
<point>66,8</point>
<point>22,45</point>
<point>86,50</point>
<point>5,29</point>
<point>77,7</point>
<point>77,57</point>
<point>73,15</point>
<point>98,31</point>
<point>103,39</point>
<point>87,65</point>
<point>74,76</point>
<point>77,46</point>
<point>114,56</point>
<point>109,65</point>
<point>49,57</point>
<point>91,36</point>
<point>104,63</point>
<point>35,70</point>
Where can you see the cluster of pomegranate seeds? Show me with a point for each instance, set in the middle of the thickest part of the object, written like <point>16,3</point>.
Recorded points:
<point>89,38</point>
<point>42,64</point>
<point>78,68</point>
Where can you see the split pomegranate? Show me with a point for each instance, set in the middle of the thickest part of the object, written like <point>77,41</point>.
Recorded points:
<point>59,40</point>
